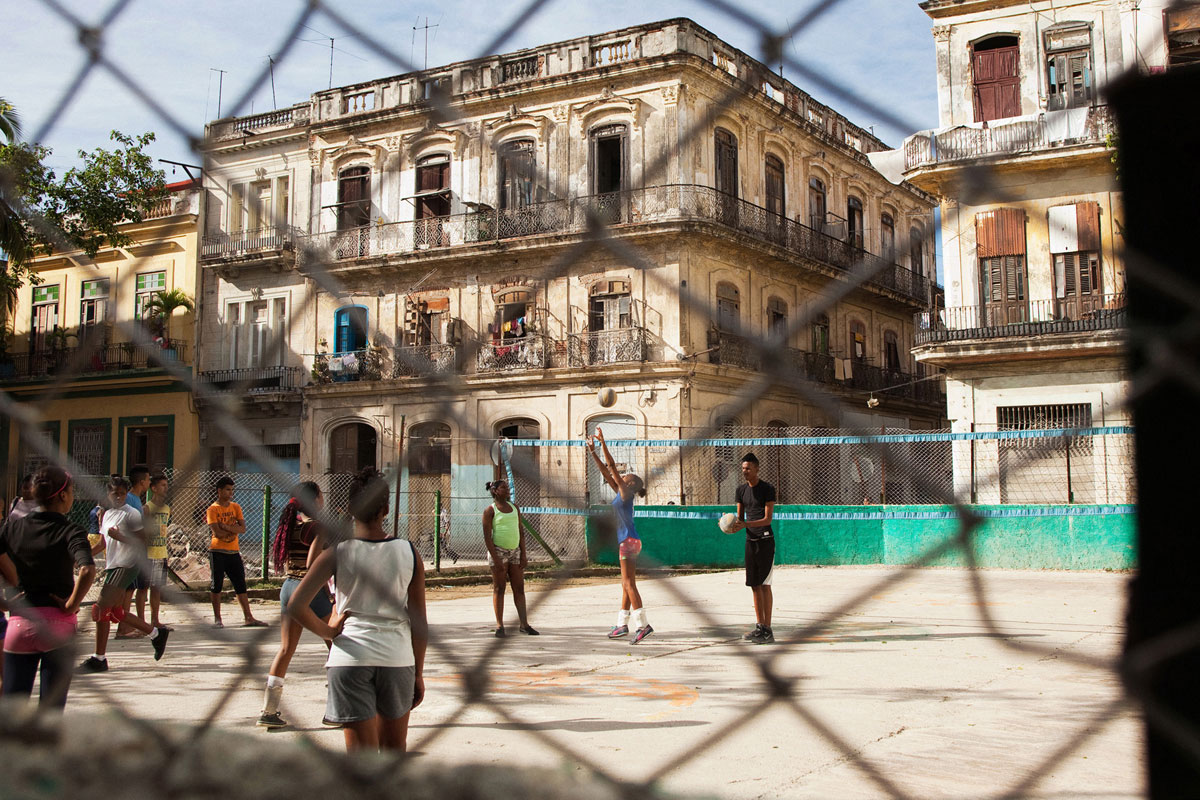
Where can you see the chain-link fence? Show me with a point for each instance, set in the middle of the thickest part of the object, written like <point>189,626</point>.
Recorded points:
<point>1015,464</point>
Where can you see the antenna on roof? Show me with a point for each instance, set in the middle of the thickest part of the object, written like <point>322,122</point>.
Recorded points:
<point>425,28</point>
<point>220,85</point>
<point>274,104</point>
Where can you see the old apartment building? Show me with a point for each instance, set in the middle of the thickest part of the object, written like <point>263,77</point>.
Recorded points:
<point>458,210</point>
<point>88,350</point>
<point>1030,336</point>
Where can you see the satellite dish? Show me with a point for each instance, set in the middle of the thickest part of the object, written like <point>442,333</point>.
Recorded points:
<point>502,450</point>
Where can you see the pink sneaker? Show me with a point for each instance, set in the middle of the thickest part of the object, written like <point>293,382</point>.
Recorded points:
<point>618,631</point>
<point>642,634</point>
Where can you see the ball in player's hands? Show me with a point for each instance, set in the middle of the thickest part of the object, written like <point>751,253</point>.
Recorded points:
<point>728,523</point>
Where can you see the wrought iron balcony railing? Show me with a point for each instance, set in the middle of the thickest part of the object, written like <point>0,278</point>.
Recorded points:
<point>655,204</point>
<point>353,365</point>
<point>1024,319</point>
<point>240,243</point>
<point>511,355</point>
<point>253,380</point>
<point>619,346</point>
<point>418,361</point>
<point>90,360</point>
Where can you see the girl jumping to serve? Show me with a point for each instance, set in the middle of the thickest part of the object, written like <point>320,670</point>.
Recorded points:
<point>628,544</point>
<point>505,543</point>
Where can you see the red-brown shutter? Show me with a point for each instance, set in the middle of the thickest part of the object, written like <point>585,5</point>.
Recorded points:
<point>1087,223</point>
<point>1000,232</point>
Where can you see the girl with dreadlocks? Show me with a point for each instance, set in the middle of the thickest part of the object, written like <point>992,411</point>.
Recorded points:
<point>299,539</point>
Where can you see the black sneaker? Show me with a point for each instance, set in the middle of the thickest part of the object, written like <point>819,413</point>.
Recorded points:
<point>93,664</point>
<point>529,630</point>
<point>159,643</point>
<point>272,721</point>
<point>499,634</point>
<point>765,636</point>
<point>752,635</point>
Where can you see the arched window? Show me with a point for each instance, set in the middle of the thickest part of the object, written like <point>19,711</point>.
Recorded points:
<point>516,174</point>
<point>816,204</point>
<point>609,145</point>
<point>995,70</point>
<point>887,237</point>
<point>526,460</point>
<point>514,312</point>
<point>610,306</point>
<point>916,250</point>
<point>350,329</point>
<point>854,222</point>
<point>1069,79</point>
<point>729,307</point>
<point>726,162</point>
<point>820,331</point>
<point>891,351</point>
<point>777,317</point>
<point>429,449</point>
<point>858,340</point>
<point>775,186</point>
<point>352,447</point>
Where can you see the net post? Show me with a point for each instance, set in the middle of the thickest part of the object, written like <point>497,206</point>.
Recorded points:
<point>437,530</point>
<point>266,530</point>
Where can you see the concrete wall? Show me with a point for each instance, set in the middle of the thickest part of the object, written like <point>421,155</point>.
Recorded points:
<point>1031,537</point>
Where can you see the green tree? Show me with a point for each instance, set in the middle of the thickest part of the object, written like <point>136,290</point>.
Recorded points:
<point>85,209</point>
<point>165,303</point>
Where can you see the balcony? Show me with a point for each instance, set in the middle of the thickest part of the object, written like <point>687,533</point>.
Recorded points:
<point>1020,136</point>
<point>226,246</point>
<point>620,346</point>
<point>254,380</point>
<point>731,350</point>
<point>514,355</point>
<point>419,361</point>
<point>86,360</point>
<point>656,204</point>
<point>238,127</point>
<point>354,365</point>
<point>1031,318</point>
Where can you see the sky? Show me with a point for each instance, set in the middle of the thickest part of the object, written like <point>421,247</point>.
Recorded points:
<point>881,51</point>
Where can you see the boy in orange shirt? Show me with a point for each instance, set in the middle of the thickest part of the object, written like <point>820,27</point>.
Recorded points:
<point>227,524</point>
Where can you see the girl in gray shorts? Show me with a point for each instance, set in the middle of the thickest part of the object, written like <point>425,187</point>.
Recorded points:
<point>379,635</point>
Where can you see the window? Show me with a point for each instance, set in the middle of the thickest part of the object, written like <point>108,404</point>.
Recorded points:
<point>816,204</point>
<point>354,198</point>
<point>1046,469</point>
<point>729,305</point>
<point>820,331</point>
<point>1069,81</point>
<point>997,82</point>
<point>259,205</point>
<point>916,250</point>
<point>891,351</point>
<point>148,284</point>
<point>516,174</point>
<point>352,447</point>
<point>726,162</point>
<point>233,319</point>
<point>426,321</point>
<point>1075,250</point>
<point>93,313</point>
<point>429,449</point>
<point>435,87</point>
<point>350,334</point>
<point>610,306</point>
<point>260,333</point>
<point>147,446</point>
<point>854,222</point>
<point>513,311</point>
<point>608,159</point>
<point>433,201</point>
<point>526,460</point>
<point>775,187</point>
<point>89,446</point>
<point>777,317</point>
<point>1000,246</point>
<point>887,237</point>
<point>858,340</point>
<point>1183,35</point>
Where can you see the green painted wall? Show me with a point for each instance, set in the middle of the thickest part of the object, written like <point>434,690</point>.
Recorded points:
<point>1043,537</point>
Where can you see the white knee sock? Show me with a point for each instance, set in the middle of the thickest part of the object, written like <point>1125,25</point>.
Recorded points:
<point>639,618</point>
<point>271,697</point>
<point>622,617</point>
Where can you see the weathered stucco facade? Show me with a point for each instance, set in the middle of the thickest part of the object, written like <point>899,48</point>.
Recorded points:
<point>473,251</point>
<point>1030,335</point>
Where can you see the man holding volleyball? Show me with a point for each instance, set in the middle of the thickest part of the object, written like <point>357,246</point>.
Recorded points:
<point>755,505</point>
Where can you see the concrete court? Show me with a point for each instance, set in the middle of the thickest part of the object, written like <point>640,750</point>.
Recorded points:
<point>910,681</point>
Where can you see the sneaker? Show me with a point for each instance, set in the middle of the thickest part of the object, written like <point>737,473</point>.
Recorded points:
<point>765,636</point>
<point>272,721</point>
<point>642,633</point>
<point>328,723</point>
<point>528,630</point>
<point>93,664</point>
<point>752,635</point>
<point>500,632</point>
<point>159,643</point>
<point>618,631</point>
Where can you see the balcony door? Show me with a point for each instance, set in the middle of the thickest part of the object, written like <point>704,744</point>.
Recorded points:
<point>727,176</point>
<point>433,200</point>
<point>996,77</point>
<point>610,157</point>
<point>353,211</point>
<point>1000,246</point>
<point>1075,249</point>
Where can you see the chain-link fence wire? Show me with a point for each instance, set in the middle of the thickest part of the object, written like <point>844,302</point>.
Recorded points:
<point>774,373</point>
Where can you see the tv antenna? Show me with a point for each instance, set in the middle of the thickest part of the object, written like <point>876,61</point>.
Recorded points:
<point>220,85</point>
<point>425,28</point>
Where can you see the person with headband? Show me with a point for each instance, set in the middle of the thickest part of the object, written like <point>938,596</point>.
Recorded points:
<point>380,633</point>
<point>125,555</point>
<point>626,486</point>
<point>505,543</point>
<point>38,554</point>
<point>299,539</point>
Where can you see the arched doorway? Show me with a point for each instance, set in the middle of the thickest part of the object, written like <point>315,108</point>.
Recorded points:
<point>615,426</point>
<point>352,447</point>
<point>526,460</point>
<point>429,459</point>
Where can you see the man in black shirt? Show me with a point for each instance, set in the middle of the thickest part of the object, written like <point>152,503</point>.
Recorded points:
<point>755,505</point>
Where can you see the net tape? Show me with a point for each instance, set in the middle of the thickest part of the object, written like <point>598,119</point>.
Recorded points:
<point>781,687</point>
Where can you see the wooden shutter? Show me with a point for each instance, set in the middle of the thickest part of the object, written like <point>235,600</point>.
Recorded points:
<point>997,83</point>
<point>1000,232</point>
<point>1087,216</point>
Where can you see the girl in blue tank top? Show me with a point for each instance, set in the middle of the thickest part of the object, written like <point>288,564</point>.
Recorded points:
<point>628,544</point>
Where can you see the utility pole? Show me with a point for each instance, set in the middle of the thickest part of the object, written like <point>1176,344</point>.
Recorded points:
<point>220,86</point>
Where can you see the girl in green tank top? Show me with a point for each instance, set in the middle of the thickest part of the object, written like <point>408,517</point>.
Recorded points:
<point>506,554</point>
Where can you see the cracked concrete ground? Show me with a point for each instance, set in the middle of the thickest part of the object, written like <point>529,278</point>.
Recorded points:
<point>908,692</point>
